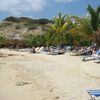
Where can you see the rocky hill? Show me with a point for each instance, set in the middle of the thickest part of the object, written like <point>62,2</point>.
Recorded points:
<point>11,26</point>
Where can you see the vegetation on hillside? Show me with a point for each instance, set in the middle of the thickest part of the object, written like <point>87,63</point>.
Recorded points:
<point>67,30</point>
<point>29,20</point>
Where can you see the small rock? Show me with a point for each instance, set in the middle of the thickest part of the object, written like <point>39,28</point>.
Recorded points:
<point>51,90</point>
<point>57,97</point>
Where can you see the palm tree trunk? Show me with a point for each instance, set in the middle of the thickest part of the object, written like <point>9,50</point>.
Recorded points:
<point>61,39</point>
<point>97,36</point>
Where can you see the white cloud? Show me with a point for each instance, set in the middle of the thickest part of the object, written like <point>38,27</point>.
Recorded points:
<point>18,7</point>
<point>65,0</point>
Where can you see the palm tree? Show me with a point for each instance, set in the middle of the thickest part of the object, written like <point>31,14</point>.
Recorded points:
<point>95,22</point>
<point>60,25</point>
<point>48,38</point>
<point>87,27</point>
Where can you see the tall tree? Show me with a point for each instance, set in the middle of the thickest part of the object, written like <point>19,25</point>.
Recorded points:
<point>95,22</point>
<point>60,25</point>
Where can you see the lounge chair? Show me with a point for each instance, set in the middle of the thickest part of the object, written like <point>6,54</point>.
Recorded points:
<point>53,52</point>
<point>41,49</point>
<point>36,49</point>
<point>56,52</point>
<point>97,60</point>
<point>95,56</point>
<point>93,94</point>
<point>82,51</point>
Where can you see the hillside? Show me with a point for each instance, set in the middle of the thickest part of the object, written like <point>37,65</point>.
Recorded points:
<point>23,26</point>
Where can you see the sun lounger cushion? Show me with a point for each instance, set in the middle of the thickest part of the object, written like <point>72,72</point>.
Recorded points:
<point>93,93</point>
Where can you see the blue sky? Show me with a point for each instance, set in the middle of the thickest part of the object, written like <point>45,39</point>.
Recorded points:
<point>44,8</point>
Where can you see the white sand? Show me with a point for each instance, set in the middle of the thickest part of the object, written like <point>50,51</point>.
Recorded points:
<point>25,76</point>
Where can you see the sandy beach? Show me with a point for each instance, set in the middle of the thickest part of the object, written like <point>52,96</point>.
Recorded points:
<point>25,76</point>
